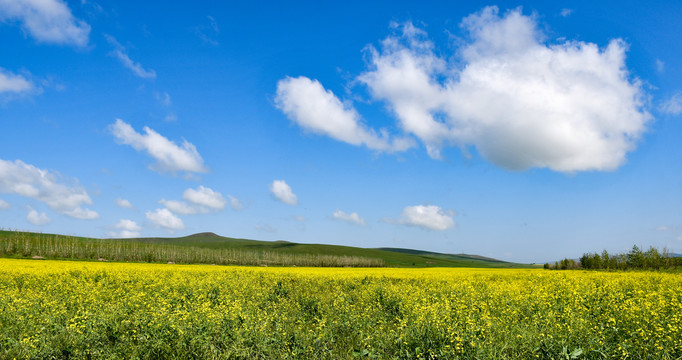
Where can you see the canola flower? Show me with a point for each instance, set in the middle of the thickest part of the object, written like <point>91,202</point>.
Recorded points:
<point>65,309</point>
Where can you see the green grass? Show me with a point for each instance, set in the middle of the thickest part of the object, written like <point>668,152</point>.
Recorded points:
<point>393,257</point>
<point>209,248</point>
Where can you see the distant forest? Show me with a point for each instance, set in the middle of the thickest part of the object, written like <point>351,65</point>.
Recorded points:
<point>651,259</point>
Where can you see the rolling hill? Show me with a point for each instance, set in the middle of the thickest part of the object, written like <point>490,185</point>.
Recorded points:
<point>208,243</point>
<point>394,257</point>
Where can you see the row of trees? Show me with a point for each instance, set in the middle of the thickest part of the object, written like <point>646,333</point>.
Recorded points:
<point>634,259</point>
<point>25,244</point>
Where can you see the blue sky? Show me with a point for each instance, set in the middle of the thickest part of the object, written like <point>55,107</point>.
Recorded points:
<point>523,131</point>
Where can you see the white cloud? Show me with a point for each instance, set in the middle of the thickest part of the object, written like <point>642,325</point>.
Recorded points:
<point>169,156</point>
<point>123,203</point>
<point>120,53</point>
<point>181,207</point>
<point>566,12</point>
<point>26,180</point>
<point>204,196</point>
<point>265,228</point>
<point>15,84</point>
<point>307,103</point>
<point>662,228</point>
<point>660,65</point>
<point>126,224</point>
<point>126,234</point>
<point>521,102</point>
<point>282,192</point>
<point>673,105</point>
<point>568,107</point>
<point>235,203</point>
<point>208,32</point>
<point>4,205</point>
<point>127,229</point>
<point>83,214</point>
<point>170,117</point>
<point>163,98</point>
<point>48,21</point>
<point>427,216</point>
<point>163,218</point>
<point>37,218</point>
<point>352,217</point>
<point>201,200</point>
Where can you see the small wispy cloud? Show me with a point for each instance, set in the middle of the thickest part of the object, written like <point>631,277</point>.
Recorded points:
<point>208,32</point>
<point>123,203</point>
<point>282,192</point>
<point>169,156</point>
<point>126,229</point>
<point>200,200</point>
<point>206,197</point>
<point>235,203</point>
<point>351,218</point>
<point>163,98</point>
<point>164,218</point>
<point>11,83</point>
<point>265,228</point>
<point>566,12</point>
<point>660,65</point>
<point>673,105</point>
<point>37,218</point>
<point>4,205</point>
<point>120,53</point>
<point>430,217</point>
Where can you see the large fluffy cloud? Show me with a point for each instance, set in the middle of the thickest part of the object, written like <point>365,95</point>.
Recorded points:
<point>165,219</point>
<point>48,21</point>
<point>121,54</point>
<point>519,100</point>
<point>169,156</point>
<point>17,177</point>
<point>307,103</point>
<point>282,192</point>
<point>427,216</point>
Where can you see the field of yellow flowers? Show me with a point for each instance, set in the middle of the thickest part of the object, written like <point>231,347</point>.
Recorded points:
<point>70,309</point>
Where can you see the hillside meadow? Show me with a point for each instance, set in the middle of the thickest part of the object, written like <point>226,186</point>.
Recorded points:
<point>209,248</point>
<point>68,309</point>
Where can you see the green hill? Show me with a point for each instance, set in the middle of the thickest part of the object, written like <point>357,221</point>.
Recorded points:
<point>394,257</point>
<point>211,248</point>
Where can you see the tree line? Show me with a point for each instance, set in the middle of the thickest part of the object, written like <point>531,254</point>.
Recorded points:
<point>39,246</point>
<point>636,258</point>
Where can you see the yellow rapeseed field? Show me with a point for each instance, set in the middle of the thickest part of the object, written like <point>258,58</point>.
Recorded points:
<point>69,309</point>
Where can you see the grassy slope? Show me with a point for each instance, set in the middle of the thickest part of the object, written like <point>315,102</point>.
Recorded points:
<point>391,256</point>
